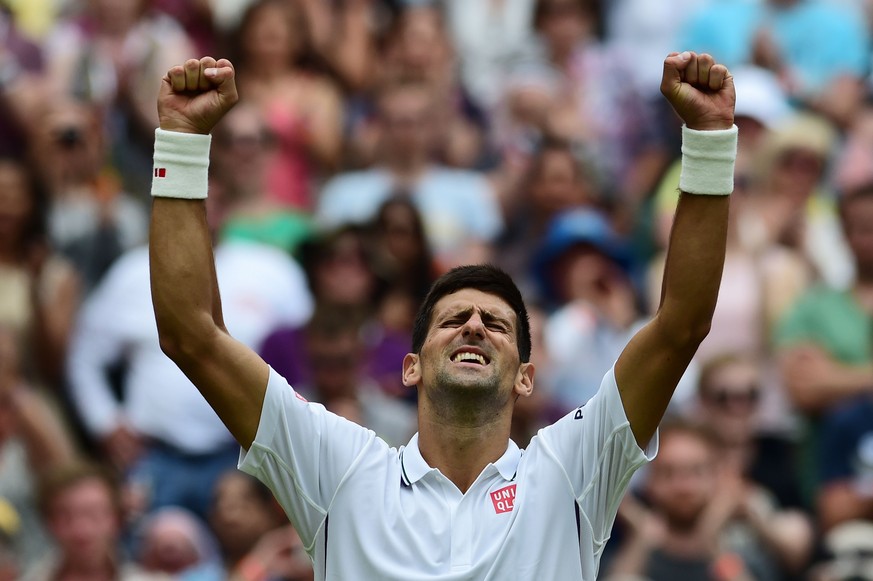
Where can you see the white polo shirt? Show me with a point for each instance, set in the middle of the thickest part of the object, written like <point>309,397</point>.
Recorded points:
<point>368,512</point>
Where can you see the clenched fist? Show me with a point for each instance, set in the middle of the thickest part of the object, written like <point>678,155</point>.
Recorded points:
<point>196,95</point>
<point>701,91</point>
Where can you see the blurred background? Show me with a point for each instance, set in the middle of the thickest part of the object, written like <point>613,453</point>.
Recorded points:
<point>378,143</point>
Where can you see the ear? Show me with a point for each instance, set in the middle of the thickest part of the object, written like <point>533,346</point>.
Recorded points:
<point>524,379</point>
<point>411,370</point>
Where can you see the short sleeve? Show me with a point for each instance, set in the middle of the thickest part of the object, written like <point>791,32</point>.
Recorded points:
<point>597,450</point>
<point>303,453</point>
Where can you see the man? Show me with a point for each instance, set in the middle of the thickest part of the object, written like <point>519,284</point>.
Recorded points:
<point>460,501</point>
<point>160,433</point>
<point>824,342</point>
<point>81,506</point>
<point>459,209</point>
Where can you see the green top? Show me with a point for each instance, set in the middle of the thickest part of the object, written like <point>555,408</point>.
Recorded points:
<point>833,320</point>
<point>281,228</point>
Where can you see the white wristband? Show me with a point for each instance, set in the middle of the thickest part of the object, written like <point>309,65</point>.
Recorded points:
<point>181,165</point>
<point>708,161</point>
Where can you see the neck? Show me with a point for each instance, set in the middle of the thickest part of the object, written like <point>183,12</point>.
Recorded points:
<point>408,170</point>
<point>96,570</point>
<point>461,447</point>
<point>687,544</point>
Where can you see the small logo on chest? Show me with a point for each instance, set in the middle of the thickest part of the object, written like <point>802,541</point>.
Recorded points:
<point>504,499</point>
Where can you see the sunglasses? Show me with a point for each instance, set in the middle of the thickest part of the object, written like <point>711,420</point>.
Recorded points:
<point>724,397</point>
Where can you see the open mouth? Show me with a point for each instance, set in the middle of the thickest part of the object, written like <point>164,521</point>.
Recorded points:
<point>464,356</point>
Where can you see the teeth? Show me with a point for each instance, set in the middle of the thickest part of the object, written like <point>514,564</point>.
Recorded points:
<point>464,356</point>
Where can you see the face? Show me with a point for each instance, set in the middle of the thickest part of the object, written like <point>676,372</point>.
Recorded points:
<point>470,352</point>
<point>239,516</point>
<point>400,233</point>
<point>343,275</point>
<point>117,15</point>
<point>406,122</point>
<point>421,49</point>
<point>268,39</point>
<point>563,24</point>
<point>242,149</point>
<point>70,145</point>
<point>170,545</point>
<point>798,171</point>
<point>335,362</point>
<point>16,203</point>
<point>730,401</point>
<point>84,521</point>
<point>556,186</point>
<point>682,478</point>
<point>858,225</point>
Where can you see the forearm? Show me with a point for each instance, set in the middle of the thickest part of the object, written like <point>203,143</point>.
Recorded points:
<point>840,502</point>
<point>352,52</point>
<point>54,310</point>
<point>788,534</point>
<point>693,268</point>
<point>47,443</point>
<point>631,560</point>
<point>815,392</point>
<point>183,282</point>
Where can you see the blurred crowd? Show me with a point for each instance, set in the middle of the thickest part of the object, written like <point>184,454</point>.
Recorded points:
<point>378,143</point>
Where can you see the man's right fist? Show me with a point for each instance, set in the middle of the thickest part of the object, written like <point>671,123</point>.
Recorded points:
<point>196,95</point>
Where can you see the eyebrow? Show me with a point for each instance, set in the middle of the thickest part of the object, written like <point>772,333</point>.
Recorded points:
<point>487,316</point>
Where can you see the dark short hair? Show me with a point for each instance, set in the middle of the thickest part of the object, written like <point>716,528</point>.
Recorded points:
<point>64,477</point>
<point>481,277</point>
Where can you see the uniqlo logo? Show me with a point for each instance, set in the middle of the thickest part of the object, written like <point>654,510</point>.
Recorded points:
<point>160,172</point>
<point>504,499</point>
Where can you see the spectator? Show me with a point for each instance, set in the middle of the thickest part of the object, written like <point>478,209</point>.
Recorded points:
<point>582,268</point>
<point>255,538</point>
<point>824,344</point>
<point>91,220</point>
<point>729,397</point>
<point>417,49</point>
<point>557,182</point>
<point>174,541</point>
<point>598,108</point>
<point>302,106</point>
<point>81,507</point>
<point>240,200</point>
<point>335,349</point>
<point>111,55</point>
<point>342,276</point>
<point>403,256</point>
<point>490,41</point>
<point>33,442</point>
<point>39,291</point>
<point>20,60</point>
<point>162,434</point>
<point>794,206</point>
<point>460,213</point>
<point>845,450</point>
<point>819,49</point>
<point>704,522</point>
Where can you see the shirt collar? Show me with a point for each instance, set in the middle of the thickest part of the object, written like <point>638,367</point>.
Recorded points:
<point>414,467</point>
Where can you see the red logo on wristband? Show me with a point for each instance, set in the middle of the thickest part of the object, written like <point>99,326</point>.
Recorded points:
<point>160,172</point>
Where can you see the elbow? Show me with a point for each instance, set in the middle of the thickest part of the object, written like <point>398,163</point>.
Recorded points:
<point>684,334</point>
<point>186,343</point>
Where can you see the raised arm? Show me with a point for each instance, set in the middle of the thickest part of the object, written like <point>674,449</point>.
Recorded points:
<point>230,376</point>
<point>702,93</point>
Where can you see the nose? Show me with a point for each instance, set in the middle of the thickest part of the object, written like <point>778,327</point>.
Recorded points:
<point>474,326</point>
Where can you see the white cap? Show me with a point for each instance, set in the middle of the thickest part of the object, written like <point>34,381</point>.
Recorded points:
<point>760,96</point>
